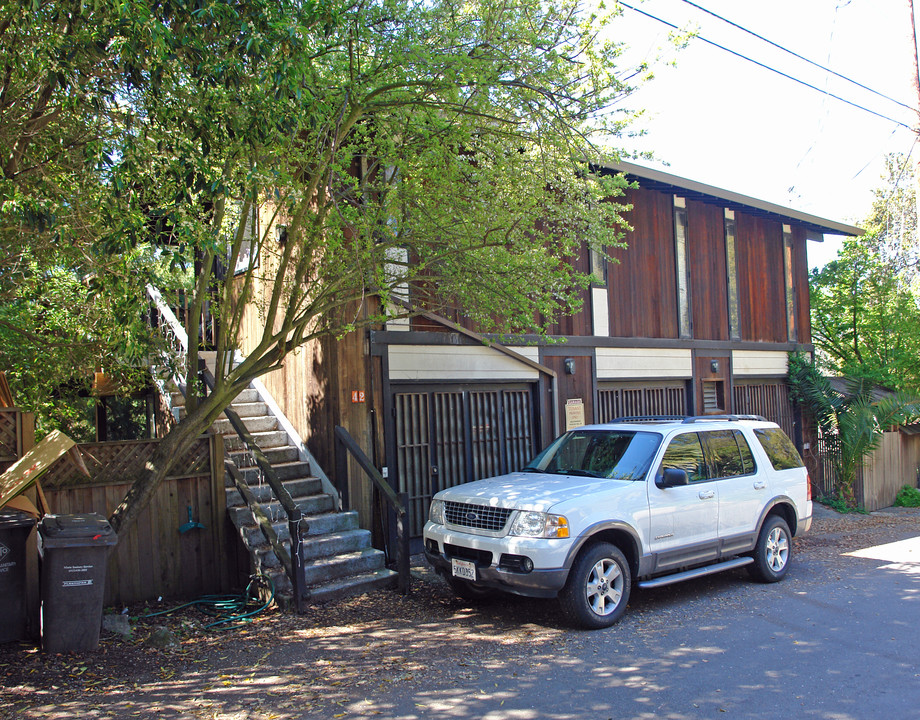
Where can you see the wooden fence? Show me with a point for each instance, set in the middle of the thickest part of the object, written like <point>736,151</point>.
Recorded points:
<point>893,465</point>
<point>153,558</point>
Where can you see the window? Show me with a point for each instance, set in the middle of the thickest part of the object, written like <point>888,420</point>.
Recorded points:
<point>713,396</point>
<point>617,455</point>
<point>683,268</point>
<point>780,450</point>
<point>731,262</point>
<point>686,453</point>
<point>729,453</point>
<point>789,272</point>
<point>598,267</point>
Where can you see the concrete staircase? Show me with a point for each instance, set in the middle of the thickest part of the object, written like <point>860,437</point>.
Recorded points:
<point>339,559</point>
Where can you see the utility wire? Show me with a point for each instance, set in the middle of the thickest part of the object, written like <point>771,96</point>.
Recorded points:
<point>796,55</point>
<point>771,69</point>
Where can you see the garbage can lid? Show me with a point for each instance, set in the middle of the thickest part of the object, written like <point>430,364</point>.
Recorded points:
<point>85,525</point>
<point>11,519</point>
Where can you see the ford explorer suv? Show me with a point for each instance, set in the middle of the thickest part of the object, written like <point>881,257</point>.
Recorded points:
<point>647,501</point>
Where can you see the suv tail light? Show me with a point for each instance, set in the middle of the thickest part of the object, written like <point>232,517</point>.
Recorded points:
<point>808,485</point>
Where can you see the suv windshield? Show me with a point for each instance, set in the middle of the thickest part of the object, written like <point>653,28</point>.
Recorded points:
<point>615,454</point>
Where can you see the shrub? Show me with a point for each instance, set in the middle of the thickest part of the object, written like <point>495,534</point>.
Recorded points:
<point>908,497</point>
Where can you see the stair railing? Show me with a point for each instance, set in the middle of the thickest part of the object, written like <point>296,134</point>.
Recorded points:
<point>399,502</point>
<point>293,563</point>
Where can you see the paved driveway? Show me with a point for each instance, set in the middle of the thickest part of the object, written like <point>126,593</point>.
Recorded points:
<point>837,640</point>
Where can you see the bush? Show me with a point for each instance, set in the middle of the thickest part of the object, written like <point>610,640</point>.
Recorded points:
<point>908,497</point>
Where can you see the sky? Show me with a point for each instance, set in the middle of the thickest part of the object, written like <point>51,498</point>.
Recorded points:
<point>724,121</point>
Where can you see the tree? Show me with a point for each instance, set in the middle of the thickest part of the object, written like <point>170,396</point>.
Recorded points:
<point>852,423</point>
<point>865,320</point>
<point>429,154</point>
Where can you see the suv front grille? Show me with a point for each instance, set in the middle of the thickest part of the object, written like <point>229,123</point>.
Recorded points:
<point>481,517</point>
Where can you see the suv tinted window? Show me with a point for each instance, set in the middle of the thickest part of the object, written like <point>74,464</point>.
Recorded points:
<point>779,447</point>
<point>686,453</point>
<point>729,453</point>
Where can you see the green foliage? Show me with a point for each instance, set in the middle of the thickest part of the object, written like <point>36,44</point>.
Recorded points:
<point>908,497</point>
<point>436,156</point>
<point>835,502</point>
<point>864,305</point>
<point>852,424</point>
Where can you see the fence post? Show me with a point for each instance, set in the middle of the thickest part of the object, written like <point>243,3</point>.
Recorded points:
<point>341,472</point>
<point>402,542</point>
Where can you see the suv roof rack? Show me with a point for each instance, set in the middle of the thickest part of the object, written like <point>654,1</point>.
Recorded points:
<point>684,418</point>
<point>649,418</point>
<point>732,418</point>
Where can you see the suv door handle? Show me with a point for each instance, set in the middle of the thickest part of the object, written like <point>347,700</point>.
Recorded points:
<point>759,484</point>
<point>707,494</point>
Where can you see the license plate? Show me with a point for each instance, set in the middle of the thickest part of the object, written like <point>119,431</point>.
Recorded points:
<point>463,569</point>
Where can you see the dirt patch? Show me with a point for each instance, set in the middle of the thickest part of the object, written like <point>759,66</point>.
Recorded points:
<point>334,659</point>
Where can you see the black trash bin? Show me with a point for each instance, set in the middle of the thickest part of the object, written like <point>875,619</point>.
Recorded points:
<point>74,553</point>
<point>15,527</point>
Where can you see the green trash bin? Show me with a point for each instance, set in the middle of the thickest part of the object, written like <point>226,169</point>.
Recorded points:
<point>74,551</point>
<point>15,527</point>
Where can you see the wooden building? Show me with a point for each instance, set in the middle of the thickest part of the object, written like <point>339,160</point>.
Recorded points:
<point>697,317</point>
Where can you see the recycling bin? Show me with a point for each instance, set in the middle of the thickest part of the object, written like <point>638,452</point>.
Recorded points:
<point>15,527</point>
<point>74,551</point>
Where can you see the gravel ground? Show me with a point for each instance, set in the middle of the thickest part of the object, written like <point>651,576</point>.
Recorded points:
<point>328,662</point>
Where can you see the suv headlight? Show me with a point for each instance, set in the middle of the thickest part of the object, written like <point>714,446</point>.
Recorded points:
<point>539,524</point>
<point>436,512</point>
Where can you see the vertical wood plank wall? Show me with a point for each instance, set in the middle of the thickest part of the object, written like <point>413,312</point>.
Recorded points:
<point>642,285</point>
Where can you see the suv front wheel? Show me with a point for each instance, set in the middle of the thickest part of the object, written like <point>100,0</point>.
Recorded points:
<point>597,589</point>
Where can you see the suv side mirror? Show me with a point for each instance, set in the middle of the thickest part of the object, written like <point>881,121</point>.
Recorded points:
<point>672,477</point>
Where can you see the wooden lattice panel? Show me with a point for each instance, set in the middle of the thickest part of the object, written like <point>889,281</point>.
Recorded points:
<point>9,435</point>
<point>122,462</point>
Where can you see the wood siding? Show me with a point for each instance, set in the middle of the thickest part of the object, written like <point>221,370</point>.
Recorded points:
<point>760,279</point>
<point>708,274</point>
<point>643,284</point>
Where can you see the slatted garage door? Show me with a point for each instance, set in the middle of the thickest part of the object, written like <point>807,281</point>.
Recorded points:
<point>448,437</point>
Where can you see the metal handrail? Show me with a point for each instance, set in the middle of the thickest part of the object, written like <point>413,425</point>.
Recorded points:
<point>293,563</point>
<point>296,523</point>
<point>398,501</point>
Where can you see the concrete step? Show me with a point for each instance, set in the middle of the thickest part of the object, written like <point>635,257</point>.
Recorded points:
<point>380,579</point>
<point>283,471</point>
<point>319,547</point>
<point>310,505</point>
<point>316,525</point>
<point>348,541</point>
<point>300,487</point>
<point>275,455</point>
<point>247,396</point>
<point>325,569</point>
<point>253,423</point>
<point>265,440</point>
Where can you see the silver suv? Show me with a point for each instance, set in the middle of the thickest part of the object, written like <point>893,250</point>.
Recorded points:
<point>645,500</point>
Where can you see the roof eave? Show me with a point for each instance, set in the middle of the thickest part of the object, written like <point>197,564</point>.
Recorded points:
<point>707,193</point>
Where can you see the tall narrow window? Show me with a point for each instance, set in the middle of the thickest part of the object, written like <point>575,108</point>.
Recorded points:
<point>731,262</point>
<point>683,268</point>
<point>790,283</point>
<point>598,267</point>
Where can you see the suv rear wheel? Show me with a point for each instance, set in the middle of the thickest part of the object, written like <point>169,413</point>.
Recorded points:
<point>597,590</point>
<point>773,550</point>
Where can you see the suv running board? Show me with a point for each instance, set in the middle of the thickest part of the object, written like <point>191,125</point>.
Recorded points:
<point>697,572</point>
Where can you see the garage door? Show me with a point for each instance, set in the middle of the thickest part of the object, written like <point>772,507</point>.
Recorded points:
<point>448,437</point>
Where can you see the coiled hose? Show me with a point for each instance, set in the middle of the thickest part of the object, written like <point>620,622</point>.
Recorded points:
<point>232,611</point>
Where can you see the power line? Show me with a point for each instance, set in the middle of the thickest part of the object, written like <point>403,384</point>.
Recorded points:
<point>771,69</point>
<point>796,55</point>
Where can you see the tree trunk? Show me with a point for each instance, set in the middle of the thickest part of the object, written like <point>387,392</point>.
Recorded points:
<point>173,446</point>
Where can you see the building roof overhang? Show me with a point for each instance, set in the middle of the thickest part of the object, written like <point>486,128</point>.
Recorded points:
<point>652,179</point>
